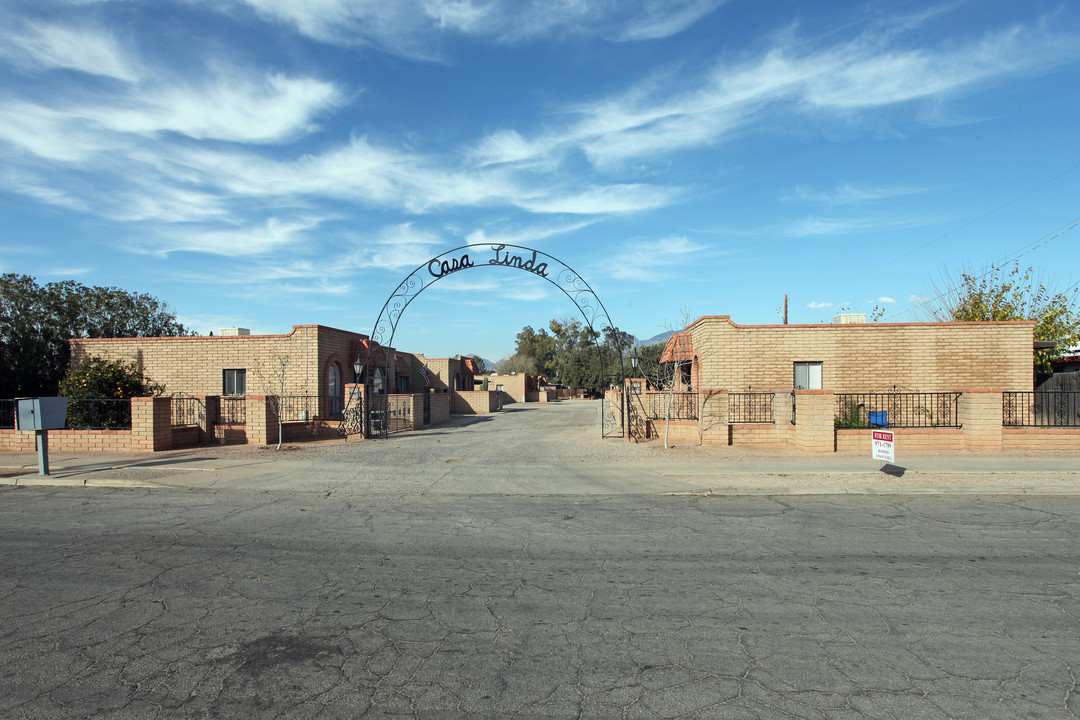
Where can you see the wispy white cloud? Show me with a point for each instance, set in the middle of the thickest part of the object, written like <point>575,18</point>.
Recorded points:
<point>814,226</point>
<point>652,260</point>
<point>523,236</point>
<point>232,106</point>
<point>848,194</point>
<point>920,299</point>
<point>886,300</point>
<point>45,46</point>
<point>628,198</point>
<point>415,28</point>
<point>396,247</point>
<point>668,113</point>
<point>819,305</point>
<point>272,236</point>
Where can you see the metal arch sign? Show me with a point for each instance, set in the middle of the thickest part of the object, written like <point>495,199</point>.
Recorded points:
<point>468,257</point>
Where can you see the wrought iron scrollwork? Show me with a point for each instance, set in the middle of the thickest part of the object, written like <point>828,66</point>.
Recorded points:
<point>518,257</point>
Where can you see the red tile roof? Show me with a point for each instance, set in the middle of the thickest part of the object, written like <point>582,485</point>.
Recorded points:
<point>679,348</point>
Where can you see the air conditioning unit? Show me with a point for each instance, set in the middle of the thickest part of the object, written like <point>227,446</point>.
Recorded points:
<point>849,318</point>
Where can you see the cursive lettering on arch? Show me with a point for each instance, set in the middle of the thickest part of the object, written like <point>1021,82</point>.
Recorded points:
<point>443,268</point>
<point>509,260</point>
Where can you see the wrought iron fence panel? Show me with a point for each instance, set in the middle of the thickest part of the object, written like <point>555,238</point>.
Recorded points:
<point>399,414</point>
<point>7,414</point>
<point>232,410</point>
<point>750,407</point>
<point>187,411</point>
<point>300,408</point>
<point>898,410</point>
<point>98,414</point>
<point>684,405</point>
<point>1040,409</point>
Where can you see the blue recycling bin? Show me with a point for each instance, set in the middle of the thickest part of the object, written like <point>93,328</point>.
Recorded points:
<point>880,418</point>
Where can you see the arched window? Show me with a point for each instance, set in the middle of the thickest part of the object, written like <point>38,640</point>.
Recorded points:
<point>334,390</point>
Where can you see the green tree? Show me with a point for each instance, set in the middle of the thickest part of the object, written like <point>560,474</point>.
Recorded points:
<point>36,322</point>
<point>649,366</point>
<point>590,368</point>
<point>1012,295</point>
<point>96,378</point>
<point>540,347</point>
<point>518,363</point>
<point>481,368</point>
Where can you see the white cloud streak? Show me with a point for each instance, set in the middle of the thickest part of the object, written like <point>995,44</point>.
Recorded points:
<point>651,261</point>
<point>667,114</point>
<point>415,28</point>
<point>43,46</point>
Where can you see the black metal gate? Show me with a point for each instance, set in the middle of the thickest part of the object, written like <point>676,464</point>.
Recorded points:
<point>427,408</point>
<point>526,259</point>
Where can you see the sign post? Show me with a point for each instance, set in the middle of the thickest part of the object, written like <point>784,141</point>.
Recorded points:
<point>883,448</point>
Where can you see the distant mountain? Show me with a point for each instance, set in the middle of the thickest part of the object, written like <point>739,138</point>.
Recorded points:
<point>661,338</point>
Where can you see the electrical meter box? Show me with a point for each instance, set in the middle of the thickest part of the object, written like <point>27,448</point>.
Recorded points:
<point>45,413</point>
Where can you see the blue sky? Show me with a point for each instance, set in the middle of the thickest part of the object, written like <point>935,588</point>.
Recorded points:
<point>264,163</point>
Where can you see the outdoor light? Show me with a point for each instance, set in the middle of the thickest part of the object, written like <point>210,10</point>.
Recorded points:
<point>357,368</point>
<point>633,360</point>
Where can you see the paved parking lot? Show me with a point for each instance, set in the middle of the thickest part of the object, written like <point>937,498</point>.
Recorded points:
<point>192,603</point>
<point>552,449</point>
<point>464,573</point>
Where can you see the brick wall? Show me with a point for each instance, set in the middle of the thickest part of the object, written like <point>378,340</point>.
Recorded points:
<point>865,357</point>
<point>440,408</point>
<point>475,402</point>
<point>194,365</point>
<point>513,385</point>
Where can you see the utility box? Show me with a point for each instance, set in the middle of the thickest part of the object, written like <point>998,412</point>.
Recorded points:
<point>45,413</point>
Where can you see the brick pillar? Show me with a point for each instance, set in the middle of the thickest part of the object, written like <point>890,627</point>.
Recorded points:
<point>206,412</point>
<point>151,424</point>
<point>979,413</point>
<point>262,425</point>
<point>815,431</point>
<point>713,417</point>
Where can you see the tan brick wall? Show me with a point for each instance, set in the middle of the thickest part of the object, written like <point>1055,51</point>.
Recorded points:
<point>1041,439</point>
<point>513,385</point>
<point>980,415</point>
<point>866,357</point>
<point>194,365</point>
<point>814,426</point>
<point>440,408</point>
<point>475,402</point>
<point>906,440</point>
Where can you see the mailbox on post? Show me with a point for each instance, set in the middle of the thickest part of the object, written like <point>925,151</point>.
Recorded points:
<point>41,415</point>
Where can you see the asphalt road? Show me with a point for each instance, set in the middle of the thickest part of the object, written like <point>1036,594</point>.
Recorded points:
<point>245,604</point>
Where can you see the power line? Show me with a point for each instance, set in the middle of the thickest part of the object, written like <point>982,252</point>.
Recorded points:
<point>972,222</point>
<point>1030,247</point>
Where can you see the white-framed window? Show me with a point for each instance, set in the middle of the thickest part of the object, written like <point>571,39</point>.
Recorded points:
<point>234,382</point>
<point>808,376</point>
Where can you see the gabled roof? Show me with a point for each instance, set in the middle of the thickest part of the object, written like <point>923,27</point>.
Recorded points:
<point>679,348</point>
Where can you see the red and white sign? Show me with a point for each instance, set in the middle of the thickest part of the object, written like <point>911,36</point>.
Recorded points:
<point>883,445</point>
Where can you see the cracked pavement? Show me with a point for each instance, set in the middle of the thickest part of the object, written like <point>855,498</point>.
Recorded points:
<point>136,603</point>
